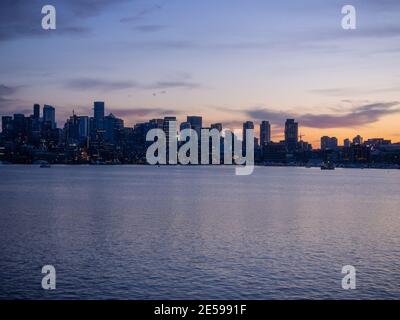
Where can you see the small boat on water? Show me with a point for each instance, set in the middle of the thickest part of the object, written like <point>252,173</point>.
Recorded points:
<point>328,166</point>
<point>45,165</point>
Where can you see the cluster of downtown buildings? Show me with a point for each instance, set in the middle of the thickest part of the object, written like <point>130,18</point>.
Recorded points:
<point>101,139</point>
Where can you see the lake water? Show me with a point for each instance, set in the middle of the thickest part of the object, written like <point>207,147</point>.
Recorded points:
<point>142,232</point>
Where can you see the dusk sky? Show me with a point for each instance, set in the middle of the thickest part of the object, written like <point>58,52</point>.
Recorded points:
<point>227,60</point>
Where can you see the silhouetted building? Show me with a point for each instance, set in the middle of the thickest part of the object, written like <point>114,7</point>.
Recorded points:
<point>329,143</point>
<point>291,134</point>
<point>84,127</point>
<point>184,125</point>
<point>113,128</point>
<point>265,133</point>
<point>7,125</point>
<point>217,126</point>
<point>357,140</point>
<point>346,143</point>
<point>275,152</point>
<point>170,129</point>
<point>71,130</point>
<point>49,115</point>
<point>98,115</point>
<point>248,125</point>
<point>196,123</point>
<point>36,111</point>
<point>377,142</point>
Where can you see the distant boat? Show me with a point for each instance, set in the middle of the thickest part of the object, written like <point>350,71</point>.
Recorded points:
<point>45,165</point>
<point>328,166</point>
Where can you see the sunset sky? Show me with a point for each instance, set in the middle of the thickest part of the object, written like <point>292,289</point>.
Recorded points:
<point>227,60</point>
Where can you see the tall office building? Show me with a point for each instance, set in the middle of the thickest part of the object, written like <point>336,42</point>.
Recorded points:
<point>170,129</point>
<point>49,115</point>
<point>196,123</point>
<point>36,111</point>
<point>291,134</point>
<point>357,140</point>
<point>217,126</point>
<point>329,143</point>
<point>83,126</point>
<point>265,133</point>
<point>113,128</point>
<point>156,124</point>
<point>170,122</point>
<point>346,143</point>
<point>71,129</point>
<point>6,125</point>
<point>98,115</point>
<point>19,125</point>
<point>247,125</point>
<point>184,125</point>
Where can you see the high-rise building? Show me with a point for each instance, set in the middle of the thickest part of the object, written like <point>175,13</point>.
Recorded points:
<point>196,123</point>
<point>98,115</point>
<point>170,129</point>
<point>71,129</point>
<point>36,111</point>
<point>184,125</point>
<point>170,121</point>
<point>156,123</point>
<point>49,115</point>
<point>113,127</point>
<point>346,143</point>
<point>246,126</point>
<point>357,140</point>
<point>329,143</point>
<point>291,131</point>
<point>217,126</point>
<point>265,133</point>
<point>6,125</point>
<point>291,134</point>
<point>84,126</point>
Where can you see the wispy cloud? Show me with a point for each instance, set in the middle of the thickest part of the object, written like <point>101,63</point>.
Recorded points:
<point>141,13</point>
<point>355,117</point>
<point>98,84</point>
<point>22,19</point>
<point>7,99</point>
<point>352,91</point>
<point>149,28</point>
<point>143,112</point>
<point>174,84</point>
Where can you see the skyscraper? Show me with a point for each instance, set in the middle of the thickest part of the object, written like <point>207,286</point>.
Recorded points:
<point>265,133</point>
<point>291,134</point>
<point>83,126</point>
<point>196,123</point>
<point>247,125</point>
<point>217,126</point>
<point>170,129</point>
<point>49,115</point>
<point>346,143</point>
<point>36,111</point>
<point>184,125</point>
<point>328,143</point>
<point>6,125</point>
<point>357,140</point>
<point>98,115</point>
<point>113,127</point>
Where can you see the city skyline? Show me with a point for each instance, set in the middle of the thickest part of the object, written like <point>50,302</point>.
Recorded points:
<point>146,58</point>
<point>262,129</point>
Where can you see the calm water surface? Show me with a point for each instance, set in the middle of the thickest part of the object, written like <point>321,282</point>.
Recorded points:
<point>141,232</point>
